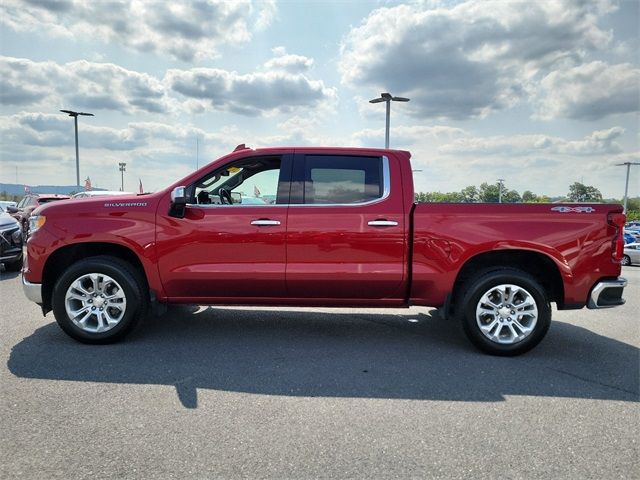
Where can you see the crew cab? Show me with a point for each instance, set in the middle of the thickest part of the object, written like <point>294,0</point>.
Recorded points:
<point>341,228</point>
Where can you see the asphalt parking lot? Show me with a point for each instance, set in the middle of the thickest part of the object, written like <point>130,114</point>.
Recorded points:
<point>309,393</point>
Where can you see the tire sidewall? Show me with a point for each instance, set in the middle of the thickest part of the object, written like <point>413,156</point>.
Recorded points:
<point>126,280</point>
<point>484,283</point>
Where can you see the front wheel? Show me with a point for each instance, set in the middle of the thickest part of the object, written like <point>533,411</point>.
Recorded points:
<point>99,300</point>
<point>626,260</point>
<point>505,312</point>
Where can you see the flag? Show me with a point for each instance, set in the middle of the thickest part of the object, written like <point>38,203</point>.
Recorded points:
<point>140,189</point>
<point>87,185</point>
<point>256,191</point>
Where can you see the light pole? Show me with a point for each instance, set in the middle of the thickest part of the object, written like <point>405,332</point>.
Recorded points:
<point>122,170</point>
<point>386,97</point>
<point>626,183</point>
<point>500,183</point>
<point>75,122</point>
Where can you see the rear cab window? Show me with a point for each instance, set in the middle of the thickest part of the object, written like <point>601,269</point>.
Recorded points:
<point>340,179</point>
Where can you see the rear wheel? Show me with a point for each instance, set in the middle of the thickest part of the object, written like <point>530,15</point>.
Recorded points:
<point>99,300</point>
<point>504,312</point>
<point>626,260</point>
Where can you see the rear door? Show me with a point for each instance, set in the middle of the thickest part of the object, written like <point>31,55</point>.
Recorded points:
<point>345,228</point>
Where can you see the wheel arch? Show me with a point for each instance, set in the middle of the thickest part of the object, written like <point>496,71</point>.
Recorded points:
<point>542,267</point>
<point>69,254</point>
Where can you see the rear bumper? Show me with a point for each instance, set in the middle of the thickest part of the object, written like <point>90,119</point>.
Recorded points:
<point>33,291</point>
<point>607,294</point>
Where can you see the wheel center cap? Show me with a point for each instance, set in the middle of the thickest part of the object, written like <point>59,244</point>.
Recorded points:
<point>504,312</point>
<point>98,302</point>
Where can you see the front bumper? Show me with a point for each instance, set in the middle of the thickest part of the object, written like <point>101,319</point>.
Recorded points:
<point>33,291</point>
<point>10,244</point>
<point>607,294</point>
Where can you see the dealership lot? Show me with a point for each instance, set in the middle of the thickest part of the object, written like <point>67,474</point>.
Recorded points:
<point>300,393</point>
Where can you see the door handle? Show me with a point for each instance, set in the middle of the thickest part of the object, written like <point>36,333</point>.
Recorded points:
<point>265,222</point>
<point>382,223</point>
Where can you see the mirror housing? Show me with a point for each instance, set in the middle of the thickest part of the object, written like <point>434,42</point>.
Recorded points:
<point>178,202</point>
<point>11,209</point>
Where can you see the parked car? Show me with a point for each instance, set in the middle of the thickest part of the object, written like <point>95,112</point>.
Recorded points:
<point>252,201</point>
<point>99,193</point>
<point>631,254</point>
<point>10,242</point>
<point>629,238</point>
<point>28,204</point>
<point>6,203</point>
<point>344,231</point>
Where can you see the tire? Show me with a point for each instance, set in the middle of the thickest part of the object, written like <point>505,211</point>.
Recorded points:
<point>626,260</point>
<point>504,312</point>
<point>108,295</point>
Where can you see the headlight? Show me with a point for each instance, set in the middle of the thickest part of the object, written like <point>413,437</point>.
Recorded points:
<point>35,222</point>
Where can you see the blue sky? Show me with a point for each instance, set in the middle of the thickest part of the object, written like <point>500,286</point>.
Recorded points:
<point>541,94</point>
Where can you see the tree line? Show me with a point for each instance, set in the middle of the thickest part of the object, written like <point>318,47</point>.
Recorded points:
<point>490,193</point>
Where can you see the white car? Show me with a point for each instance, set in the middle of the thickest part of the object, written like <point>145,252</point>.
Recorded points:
<point>631,254</point>
<point>99,193</point>
<point>6,203</point>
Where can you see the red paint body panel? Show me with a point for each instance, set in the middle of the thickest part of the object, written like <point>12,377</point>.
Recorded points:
<point>448,235</point>
<point>215,252</point>
<point>325,255</point>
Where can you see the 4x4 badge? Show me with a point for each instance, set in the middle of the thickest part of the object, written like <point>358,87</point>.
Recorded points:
<point>573,209</point>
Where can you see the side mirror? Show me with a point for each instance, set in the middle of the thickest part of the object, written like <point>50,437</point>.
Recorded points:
<point>11,209</point>
<point>178,202</point>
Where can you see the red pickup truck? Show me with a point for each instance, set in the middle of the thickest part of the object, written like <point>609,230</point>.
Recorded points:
<point>321,227</point>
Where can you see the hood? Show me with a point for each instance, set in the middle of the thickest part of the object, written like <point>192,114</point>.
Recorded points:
<point>7,220</point>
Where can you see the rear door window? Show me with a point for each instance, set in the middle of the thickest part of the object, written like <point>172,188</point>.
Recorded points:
<point>336,180</point>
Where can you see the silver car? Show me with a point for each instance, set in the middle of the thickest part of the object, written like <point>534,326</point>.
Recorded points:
<point>631,254</point>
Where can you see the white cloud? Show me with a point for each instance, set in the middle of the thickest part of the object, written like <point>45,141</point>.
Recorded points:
<point>49,130</point>
<point>597,143</point>
<point>408,135</point>
<point>90,86</point>
<point>590,91</point>
<point>80,85</point>
<point>469,59</point>
<point>250,94</point>
<point>183,30</point>
<point>283,61</point>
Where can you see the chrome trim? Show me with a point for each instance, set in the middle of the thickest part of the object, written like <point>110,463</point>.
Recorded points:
<point>265,222</point>
<point>596,292</point>
<point>176,193</point>
<point>33,291</point>
<point>382,223</point>
<point>386,191</point>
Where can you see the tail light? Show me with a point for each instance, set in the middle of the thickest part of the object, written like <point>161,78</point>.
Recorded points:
<point>617,220</point>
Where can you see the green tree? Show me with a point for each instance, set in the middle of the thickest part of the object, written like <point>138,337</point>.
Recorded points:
<point>488,193</point>
<point>579,192</point>
<point>511,196</point>
<point>529,197</point>
<point>470,194</point>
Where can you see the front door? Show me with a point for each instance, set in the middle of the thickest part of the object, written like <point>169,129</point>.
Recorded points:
<point>231,241</point>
